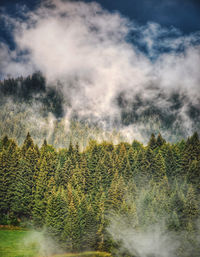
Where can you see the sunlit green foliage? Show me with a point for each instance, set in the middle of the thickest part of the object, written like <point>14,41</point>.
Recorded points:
<point>72,193</point>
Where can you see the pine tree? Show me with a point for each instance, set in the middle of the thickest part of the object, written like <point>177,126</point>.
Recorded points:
<point>4,181</point>
<point>101,220</point>
<point>160,141</point>
<point>13,190</point>
<point>116,191</point>
<point>86,173</point>
<point>40,200</point>
<point>178,203</point>
<point>123,164</point>
<point>145,202</point>
<point>152,144</point>
<point>172,161</point>
<point>71,149</point>
<point>66,172</point>
<point>158,168</point>
<point>77,155</point>
<point>141,175</point>
<point>174,223</point>
<point>71,228</point>
<point>9,165</point>
<point>191,208</point>
<point>81,241</point>
<point>56,214</point>
<point>77,179</point>
<point>193,175</point>
<point>93,157</point>
<point>191,152</point>
<point>26,184</point>
<point>132,158</point>
<point>104,172</point>
<point>137,146</point>
<point>5,142</point>
<point>24,191</point>
<point>28,143</point>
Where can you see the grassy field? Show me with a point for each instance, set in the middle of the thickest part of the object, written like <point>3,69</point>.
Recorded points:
<point>19,243</point>
<point>85,254</point>
<point>12,244</point>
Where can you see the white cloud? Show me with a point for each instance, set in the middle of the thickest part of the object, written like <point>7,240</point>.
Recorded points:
<point>83,45</point>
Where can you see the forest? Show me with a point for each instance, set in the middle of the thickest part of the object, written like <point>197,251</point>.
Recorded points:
<point>31,103</point>
<point>99,128</point>
<point>85,199</point>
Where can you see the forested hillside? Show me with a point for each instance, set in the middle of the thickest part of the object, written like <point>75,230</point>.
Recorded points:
<point>99,128</point>
<point>85,199</point>
<point>30,103</point>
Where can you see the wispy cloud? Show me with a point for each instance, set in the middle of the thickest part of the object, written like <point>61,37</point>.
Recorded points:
<point>97,55</point>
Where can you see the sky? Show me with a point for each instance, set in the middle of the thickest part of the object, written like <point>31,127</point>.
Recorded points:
<point>109,56</point>
<point>183,14</point>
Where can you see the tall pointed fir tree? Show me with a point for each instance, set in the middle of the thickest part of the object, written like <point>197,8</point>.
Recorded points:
<point>9,166</point>
<point>56,214</point>
<point>40,199</point>
<point>28,143</point>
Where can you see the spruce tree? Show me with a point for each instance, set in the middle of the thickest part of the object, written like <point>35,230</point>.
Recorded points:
<point>193,175</point>
<point>160,141</point>
<point>158,168</point>
<point>116,192</point>
<point>56,214</point>
<point>191,152</point>
<point>191,208</point>
<point>5,142</point>
<point>71,228</point>
<point>152,144</point>
<point>28,143</point>
<point>141,175</point>
<point>4,181</point>
<point>40,200</point>
<point>66,172</point>
<point>9,166</point>
<point>132,158</point>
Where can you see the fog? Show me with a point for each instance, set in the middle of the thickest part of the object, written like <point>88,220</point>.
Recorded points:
<point>113,72</point>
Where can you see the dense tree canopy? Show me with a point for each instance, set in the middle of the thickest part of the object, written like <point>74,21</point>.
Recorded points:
<point>73,193</point>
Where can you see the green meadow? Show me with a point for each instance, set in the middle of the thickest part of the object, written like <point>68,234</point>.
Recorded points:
<point>13,243</point>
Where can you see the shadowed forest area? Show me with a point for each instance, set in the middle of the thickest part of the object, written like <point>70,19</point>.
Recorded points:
<point>31,103</point>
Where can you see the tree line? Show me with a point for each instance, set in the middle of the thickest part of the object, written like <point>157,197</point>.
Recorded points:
<point>24,99</point>
<point>30,89</point>
<point>73,194</point>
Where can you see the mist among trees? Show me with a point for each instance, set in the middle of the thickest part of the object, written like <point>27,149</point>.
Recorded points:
<point>31,103</point>
<point>77,195</point>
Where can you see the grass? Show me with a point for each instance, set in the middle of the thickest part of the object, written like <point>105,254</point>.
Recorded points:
<point>21,243</point>
<point>85,254</point>
<point>11,244</point>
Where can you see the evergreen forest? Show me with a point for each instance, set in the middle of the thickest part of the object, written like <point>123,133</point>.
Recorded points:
<point>31,103</point>
<point>78,197</point>
<point>99,128</point>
